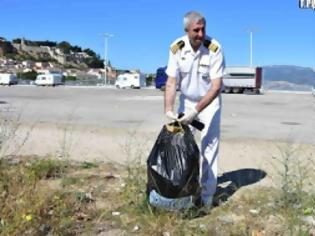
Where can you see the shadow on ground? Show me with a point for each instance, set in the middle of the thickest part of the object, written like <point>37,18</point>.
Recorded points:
<point>234,181</point>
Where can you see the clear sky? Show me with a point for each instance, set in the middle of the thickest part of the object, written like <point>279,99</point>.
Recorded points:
<point>283,34</point>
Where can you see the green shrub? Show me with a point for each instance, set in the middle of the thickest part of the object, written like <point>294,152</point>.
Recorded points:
<point>45,169</point>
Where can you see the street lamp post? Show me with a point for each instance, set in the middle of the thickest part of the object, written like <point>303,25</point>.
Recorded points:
<point>251,46</point>
<point>106,37</point>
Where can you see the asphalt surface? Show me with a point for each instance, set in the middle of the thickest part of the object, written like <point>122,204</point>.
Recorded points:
<point>270,116</point>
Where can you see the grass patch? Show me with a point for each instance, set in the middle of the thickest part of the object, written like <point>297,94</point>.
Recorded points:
<point>88,165</point>
<point>44,196</point>
<point>29,206</point>
<point>46,168</point>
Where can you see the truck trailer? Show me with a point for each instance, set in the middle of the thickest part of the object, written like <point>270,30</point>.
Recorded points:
<point>242,79</point>
<point>8,79</point>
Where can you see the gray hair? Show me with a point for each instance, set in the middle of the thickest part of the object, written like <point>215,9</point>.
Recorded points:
<point>193,16</point>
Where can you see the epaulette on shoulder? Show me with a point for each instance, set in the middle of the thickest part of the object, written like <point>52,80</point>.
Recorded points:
<point>179,45</point>
<point>210,45</point>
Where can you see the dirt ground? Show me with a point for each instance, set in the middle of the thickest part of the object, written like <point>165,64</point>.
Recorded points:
<point>88,143</point>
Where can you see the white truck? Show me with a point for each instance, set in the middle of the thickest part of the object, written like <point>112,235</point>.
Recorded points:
<point>130,80</point>
<point>49,79</point>
<point>242,79</point>
<point>8,79</point>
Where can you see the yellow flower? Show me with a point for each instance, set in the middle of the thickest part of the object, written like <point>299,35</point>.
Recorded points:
<point>28,217</point>
<point>20,201</point>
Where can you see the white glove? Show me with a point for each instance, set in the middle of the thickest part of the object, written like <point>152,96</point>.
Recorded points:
<point>170,115</point>
<point>188,117</point>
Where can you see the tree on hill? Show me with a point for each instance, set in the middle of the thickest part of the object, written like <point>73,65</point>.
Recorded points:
<point>90,52</point>
<point>64,47</point>
<point>94,62</point>
<point>35,43</point>
<point>17,40</point>
<point>45,43</point>
<point>6,47</point>
<point>67,47</point>
<point>76,49</point>
<point>29,42</point>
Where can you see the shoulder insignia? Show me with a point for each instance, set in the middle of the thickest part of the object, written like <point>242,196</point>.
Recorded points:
<point>179,45</point>
<point>210,45</point>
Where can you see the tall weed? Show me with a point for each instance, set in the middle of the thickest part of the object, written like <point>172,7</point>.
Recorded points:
<point>295,181</point>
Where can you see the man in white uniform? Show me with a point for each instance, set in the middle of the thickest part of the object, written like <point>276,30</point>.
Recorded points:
<point>196,64</point>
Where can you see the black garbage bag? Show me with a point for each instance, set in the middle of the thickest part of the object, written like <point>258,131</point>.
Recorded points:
<point>173,164</point>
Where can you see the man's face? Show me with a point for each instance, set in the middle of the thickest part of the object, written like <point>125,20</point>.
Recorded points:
<point>196,33</point>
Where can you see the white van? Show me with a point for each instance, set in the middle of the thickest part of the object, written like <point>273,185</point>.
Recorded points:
<point>130,80</point>
<point>50,79</point>
<point>8,79</point>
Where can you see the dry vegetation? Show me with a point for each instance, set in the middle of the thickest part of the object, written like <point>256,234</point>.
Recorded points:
<point>48,196</point>
<point>55,196</point>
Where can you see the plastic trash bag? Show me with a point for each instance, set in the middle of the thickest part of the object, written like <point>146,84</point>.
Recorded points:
<point>173,167</point>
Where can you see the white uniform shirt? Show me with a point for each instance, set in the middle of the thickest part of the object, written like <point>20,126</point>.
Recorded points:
<point>195,70</point>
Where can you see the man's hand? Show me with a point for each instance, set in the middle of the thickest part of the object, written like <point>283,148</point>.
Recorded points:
<point>188,117</point>
<point>170,115</point>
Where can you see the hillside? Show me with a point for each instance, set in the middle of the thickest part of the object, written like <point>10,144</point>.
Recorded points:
<point>62,53</point>
<point>287,77</point>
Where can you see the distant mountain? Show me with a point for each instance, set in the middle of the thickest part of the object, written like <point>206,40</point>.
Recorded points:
<point>286,77</point>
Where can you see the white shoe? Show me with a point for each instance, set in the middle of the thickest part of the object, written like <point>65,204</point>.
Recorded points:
<point>171,204</point>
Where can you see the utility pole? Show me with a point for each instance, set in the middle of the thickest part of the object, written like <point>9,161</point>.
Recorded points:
<point>106,37</point>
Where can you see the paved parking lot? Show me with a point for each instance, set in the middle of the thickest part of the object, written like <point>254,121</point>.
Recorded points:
<point>271,116</point>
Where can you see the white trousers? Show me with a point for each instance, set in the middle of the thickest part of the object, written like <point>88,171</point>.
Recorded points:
<point>209,145</point>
